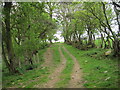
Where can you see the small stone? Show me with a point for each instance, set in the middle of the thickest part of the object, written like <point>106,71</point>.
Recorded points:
<point>108,53</point>
<point>107,78</point>
<point>23,86</point>
<point>105,71</point>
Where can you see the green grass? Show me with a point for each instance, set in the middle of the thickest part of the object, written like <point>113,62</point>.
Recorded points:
<point>99,41</point>
<point>20,80</point>
<point>23,80</point>
<point>35,76</point>
<point>66,73</point>
<point>97,69</point>
<point>44,77</point>
<point>56,55</point>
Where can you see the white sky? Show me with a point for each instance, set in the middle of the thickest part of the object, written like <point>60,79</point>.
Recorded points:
<point>58,35</point>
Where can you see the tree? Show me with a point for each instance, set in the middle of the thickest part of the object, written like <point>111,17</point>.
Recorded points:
<point>7,40</point>
<point>26,28</point>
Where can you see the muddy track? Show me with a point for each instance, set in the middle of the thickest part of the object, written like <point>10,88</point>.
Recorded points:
<point>76,76</point>
<point>54,77</point>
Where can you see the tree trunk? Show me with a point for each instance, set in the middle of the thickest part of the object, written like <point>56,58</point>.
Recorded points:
<point>5,58</point>
<point>116,42</point>
<point>102,39</point>
<point>117,15</point>
<point>30,60</point>
<point>109,44</point>
<point>90,39</point>
<point>8,41</point>
<point>116,46</point>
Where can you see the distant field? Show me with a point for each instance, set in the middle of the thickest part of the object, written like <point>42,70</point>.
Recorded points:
<point>98,42</point>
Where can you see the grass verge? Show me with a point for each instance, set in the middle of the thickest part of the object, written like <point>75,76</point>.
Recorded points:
<point>99,71</point>
<point>44,77</point>
<point>21,80</point>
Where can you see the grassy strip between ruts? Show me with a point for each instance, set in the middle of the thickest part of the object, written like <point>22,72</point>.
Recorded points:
<point>56,55</point>
<point>66,73</point>
<point>99,72</point>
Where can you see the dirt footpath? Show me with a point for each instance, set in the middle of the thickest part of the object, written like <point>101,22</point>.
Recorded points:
<point>48,56</point>
<point>54,77</point>
<point>76,76</point>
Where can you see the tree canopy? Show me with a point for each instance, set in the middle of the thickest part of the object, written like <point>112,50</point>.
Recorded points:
<point>28,27</point>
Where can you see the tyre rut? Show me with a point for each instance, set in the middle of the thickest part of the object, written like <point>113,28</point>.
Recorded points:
<point>76,76</point>
<point>54,77</point>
